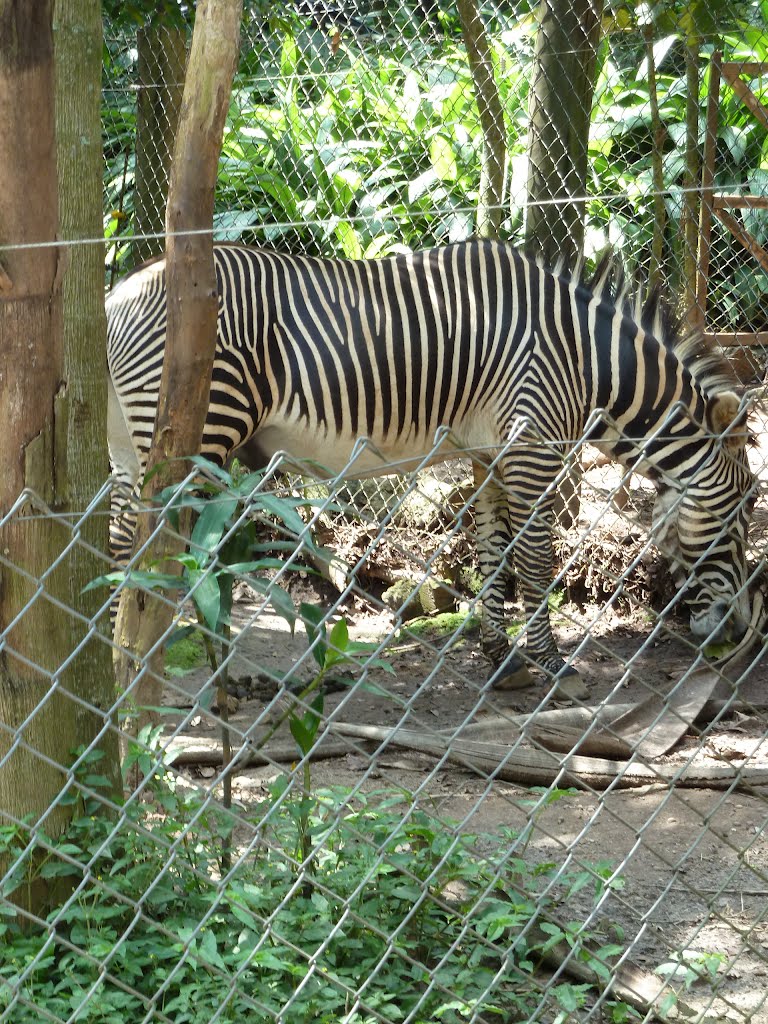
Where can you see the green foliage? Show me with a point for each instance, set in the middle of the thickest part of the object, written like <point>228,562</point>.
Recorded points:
<point>622,143</point>
<point>224,545</point>
<point>691,966</point>
<point>138,13</point>
<point>373,146</point>
<point>397,906</point>
<point>365,154</point>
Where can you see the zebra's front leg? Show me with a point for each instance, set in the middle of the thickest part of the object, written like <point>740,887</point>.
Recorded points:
<point>494,559</point>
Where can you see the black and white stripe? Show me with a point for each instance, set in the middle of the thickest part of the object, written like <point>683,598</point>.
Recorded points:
<point>477,337</point>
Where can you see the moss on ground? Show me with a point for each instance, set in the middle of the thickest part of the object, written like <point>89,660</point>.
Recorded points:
<point>434,627</point>
<point>185,655</point>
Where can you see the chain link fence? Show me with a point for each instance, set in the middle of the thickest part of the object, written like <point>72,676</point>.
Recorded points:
<point>337,817</point>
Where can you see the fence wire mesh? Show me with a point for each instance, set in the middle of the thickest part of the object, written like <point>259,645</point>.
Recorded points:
<point>334,815</point>
<point>357,130</point>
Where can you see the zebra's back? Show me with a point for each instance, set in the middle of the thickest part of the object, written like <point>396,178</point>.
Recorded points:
<point>313,354</point>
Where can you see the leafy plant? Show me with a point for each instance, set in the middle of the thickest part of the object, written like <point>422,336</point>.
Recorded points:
<point>369,142</point>
<point>224,546</point>
<point>690,966</point>
<point>399,915</point>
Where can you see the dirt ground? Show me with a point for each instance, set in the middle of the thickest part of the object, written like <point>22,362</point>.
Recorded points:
<point>694,862</point>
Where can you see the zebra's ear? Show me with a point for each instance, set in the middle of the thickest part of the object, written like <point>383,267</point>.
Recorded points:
<point>727,414</point>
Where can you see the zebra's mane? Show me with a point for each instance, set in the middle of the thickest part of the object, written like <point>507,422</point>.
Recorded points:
<point>652,311</point>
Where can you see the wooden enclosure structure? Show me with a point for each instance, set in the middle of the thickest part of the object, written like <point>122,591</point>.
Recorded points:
<point>721,206</point>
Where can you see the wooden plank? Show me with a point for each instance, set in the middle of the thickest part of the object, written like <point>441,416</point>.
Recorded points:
<point>731,74</point>
<point>719,205</point>
<point>738,339</point>
<point>741,234</point>
<point>734,68</point>
<point>746,202</point>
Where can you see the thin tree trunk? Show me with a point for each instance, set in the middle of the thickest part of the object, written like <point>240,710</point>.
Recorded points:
<point>143,621</point>
<point>31,631</point>
<point>162,56</point>
<point>690,218</point>
<point>657,164</point>
<point>491,111</point>
<point>561,109</point>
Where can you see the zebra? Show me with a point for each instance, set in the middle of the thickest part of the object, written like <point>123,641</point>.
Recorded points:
<point>513,357</point>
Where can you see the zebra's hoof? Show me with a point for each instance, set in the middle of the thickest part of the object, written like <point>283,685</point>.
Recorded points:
<point>514,678</point>
<point>570,686</point>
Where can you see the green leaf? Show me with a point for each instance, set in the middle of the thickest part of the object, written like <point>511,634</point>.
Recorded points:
<point>313,617</point>
<point>350,240</point>
<point>243,568</point>
<point>339,639</point>
<point>138,579</point>
<point>278,597</point>
<point>442,158</point>
<point>208,950</point>
<point>109,579</point>
<point>307,726</point>
<point>301,734</point>
<point>289,57</point>
<point>206,596</point>
<point>214,469</point>
<point>285,511</point>
<point>212,523</point>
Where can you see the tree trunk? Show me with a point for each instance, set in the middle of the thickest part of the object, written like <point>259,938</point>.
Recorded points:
<point>81,404</point>
<point>142,620</point>
<point>491,113</point>
<point>162,55</point>
<point>689,227</point>
<point>561,108</point>
<point>655,273</point>
<point>40,411</point>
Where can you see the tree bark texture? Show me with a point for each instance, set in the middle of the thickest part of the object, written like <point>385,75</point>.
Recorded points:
<point>162,56</point>
<point>491,114</point>
<point>561,106</point>
<point>191,333</point>
<point>81,403</point>
<point>30,375</point>
<point>38,723</point>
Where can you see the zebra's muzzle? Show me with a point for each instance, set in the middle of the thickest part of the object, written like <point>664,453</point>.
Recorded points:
<point>721,622</point>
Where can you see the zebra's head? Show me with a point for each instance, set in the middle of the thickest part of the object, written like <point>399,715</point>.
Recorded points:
<point>701,526</point>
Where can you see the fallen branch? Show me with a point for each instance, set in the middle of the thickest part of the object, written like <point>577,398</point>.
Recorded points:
<point>544,768</point>
<point>187,751</point>
<point>330,567</point>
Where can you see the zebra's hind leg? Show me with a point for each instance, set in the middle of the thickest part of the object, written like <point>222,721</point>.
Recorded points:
<point>493,540</point>
<point>534,563</point>
<point>526,473</point>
